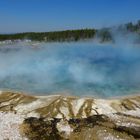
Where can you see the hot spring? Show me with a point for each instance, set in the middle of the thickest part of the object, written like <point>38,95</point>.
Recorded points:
<point>83,69</point>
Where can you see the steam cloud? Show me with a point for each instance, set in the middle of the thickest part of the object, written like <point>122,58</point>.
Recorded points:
<point>84,68</point>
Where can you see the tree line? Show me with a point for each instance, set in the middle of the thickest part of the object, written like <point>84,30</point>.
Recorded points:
<point>104,34</point>
<point>68,35</point>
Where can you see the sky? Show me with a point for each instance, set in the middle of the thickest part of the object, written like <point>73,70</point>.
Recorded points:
<point>50,15</point>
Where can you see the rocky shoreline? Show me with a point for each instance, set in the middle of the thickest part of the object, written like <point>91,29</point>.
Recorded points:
<point>25,117</point>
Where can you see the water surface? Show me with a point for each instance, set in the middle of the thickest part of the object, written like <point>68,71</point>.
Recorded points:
<point>85,69</point>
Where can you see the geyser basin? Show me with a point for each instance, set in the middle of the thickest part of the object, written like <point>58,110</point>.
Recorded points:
<point>74,68</point>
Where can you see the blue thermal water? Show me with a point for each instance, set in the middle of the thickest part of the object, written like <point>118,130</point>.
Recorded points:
<point>84,69</point>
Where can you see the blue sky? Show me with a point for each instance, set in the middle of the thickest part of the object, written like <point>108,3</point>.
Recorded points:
<point>48,15</point>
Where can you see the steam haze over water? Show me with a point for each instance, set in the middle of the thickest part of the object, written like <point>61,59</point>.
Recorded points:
<point>82,68</point>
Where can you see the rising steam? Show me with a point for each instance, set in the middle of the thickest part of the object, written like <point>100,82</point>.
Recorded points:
<point>84,68</point>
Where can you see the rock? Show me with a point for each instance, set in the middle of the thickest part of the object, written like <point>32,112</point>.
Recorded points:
<point>39,129</point>
<point>63,117</point>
